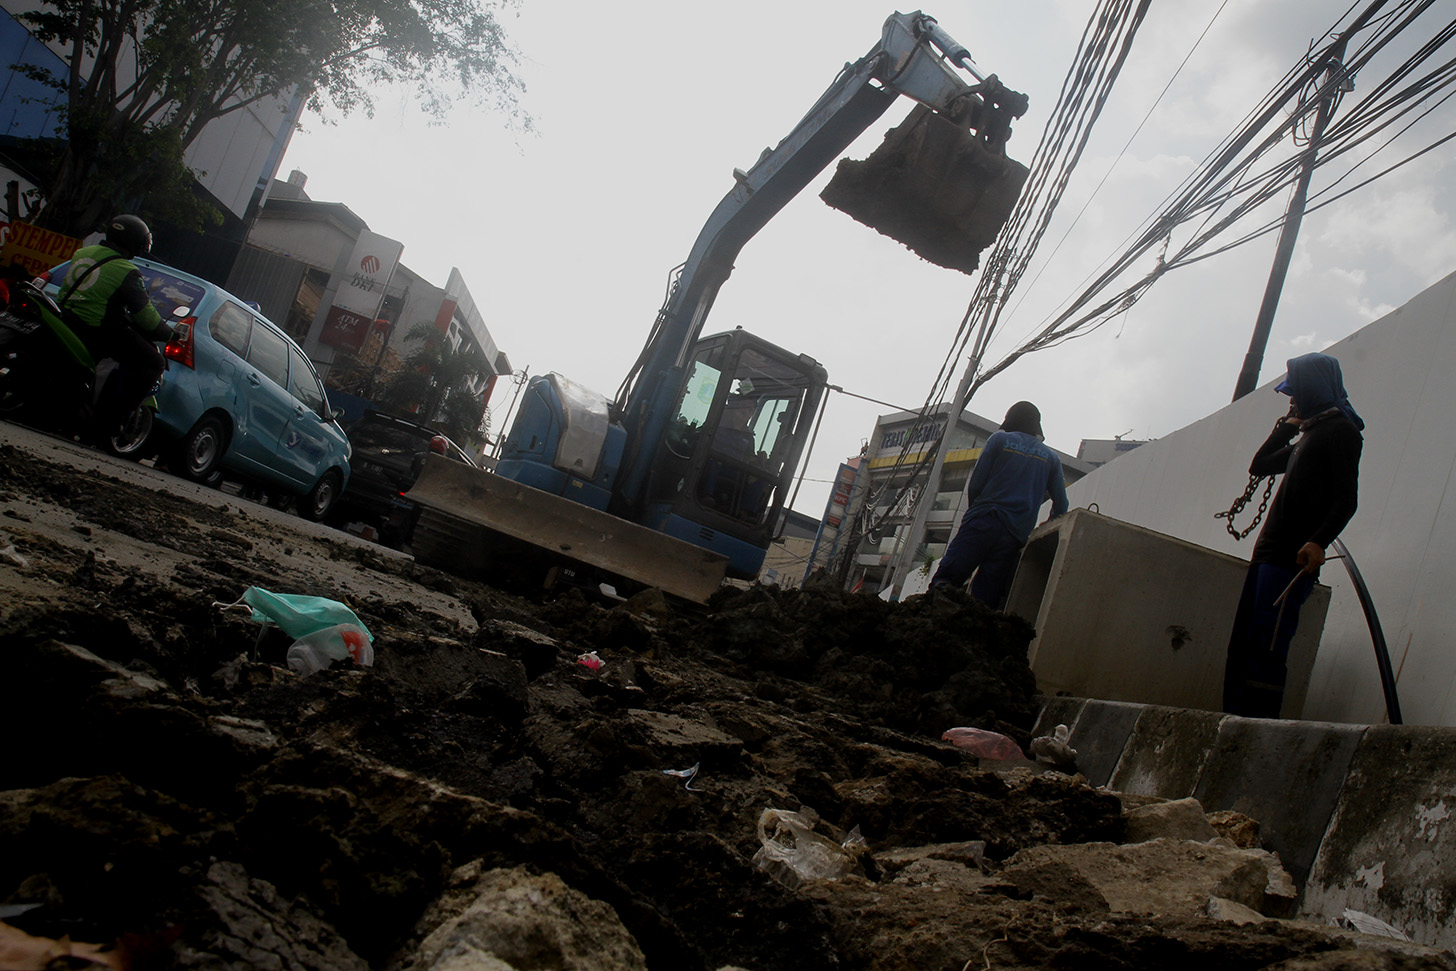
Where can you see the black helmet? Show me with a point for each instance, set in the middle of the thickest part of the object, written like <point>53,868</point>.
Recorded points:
<point>128,235</point>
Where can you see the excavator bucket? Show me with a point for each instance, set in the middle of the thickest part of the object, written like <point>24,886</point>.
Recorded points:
<point>933,186</point>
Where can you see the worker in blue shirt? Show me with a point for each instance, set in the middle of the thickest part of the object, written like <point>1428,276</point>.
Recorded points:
<point>1008,485</point>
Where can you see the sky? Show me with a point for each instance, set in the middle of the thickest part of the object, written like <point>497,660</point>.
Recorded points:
<point>565,236</point>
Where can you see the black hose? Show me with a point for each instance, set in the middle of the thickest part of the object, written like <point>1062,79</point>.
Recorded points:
<point>1377,637</point>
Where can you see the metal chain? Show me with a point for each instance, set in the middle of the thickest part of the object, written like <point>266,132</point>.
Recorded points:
<point>1243,501</point>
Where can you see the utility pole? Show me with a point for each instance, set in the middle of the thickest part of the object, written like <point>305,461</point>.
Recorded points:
<point>1333,86</point>
<point>905,561</point>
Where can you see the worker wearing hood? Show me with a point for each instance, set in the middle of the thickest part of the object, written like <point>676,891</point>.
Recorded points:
<point>1317,496</point>
<point>1012,478</point>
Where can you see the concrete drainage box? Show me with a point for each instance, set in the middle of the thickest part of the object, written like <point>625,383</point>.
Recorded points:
<point>1124,613</point>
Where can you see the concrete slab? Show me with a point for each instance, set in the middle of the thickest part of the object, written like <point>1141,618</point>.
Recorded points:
<point>1390,850</point>
<point>1285,774</point>
<point>1129,614</point>
<point>1057,711</point>
<point>1101,731</point>
<point>1166,753</point>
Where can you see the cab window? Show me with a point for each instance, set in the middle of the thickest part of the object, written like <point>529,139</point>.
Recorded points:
<point>303,383</point>
<point>229,327</point>
<point>168,292</point>
<point>268,353</point>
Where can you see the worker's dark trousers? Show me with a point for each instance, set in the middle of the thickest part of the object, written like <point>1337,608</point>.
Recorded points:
<point>984,546</point>
<point>1253,678</point>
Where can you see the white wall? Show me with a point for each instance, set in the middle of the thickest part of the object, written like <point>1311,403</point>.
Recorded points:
<point>231,154</point>
<point>318,242</point>
<point>1399,373</point>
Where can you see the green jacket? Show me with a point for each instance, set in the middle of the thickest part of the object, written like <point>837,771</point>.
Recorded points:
<point>110,296</point>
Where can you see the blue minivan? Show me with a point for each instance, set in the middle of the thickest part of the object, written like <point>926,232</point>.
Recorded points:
<point>238,396</point>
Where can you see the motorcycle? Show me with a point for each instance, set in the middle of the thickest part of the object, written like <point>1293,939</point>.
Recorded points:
<point>50,380</point>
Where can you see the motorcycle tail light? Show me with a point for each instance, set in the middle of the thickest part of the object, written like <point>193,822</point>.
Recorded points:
<point>180,348</point>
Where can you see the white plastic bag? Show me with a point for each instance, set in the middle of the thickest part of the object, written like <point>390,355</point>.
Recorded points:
<point>317,651</point>
<point>792,852</point>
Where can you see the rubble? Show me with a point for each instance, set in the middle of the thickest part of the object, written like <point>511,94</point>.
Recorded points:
<point>477,798</point>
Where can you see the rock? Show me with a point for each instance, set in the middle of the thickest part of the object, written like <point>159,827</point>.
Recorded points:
<point>249,925</point>
<point>1361,960</point>
<point>942,876</point>
<point>1238,829</point>
<point>512,920</point>
<point>971,853</point>
<point>1169,878</point>
<point>1232,911</point>
<point>1179,819</point>
<point>538,652</point>
<point>1060,885</point>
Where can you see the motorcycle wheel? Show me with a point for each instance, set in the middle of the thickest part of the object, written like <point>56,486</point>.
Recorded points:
<point>134,441</point>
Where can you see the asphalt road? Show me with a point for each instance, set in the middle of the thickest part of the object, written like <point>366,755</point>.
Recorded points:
<point>297,555</point>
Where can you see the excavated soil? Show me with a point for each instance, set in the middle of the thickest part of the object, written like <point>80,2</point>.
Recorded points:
<point>173,792</point>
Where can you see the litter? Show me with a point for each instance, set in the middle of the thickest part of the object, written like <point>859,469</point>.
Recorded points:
<point>9,554</point>
<point>792,852</point>
<point>319,650</point>
<point>590,661</point>
<point>1356,921</point>
<point>297,614</point>
<point>987,745</point>
<point>688,775</point>
<point>1054,750</point>
<point>300,615</point>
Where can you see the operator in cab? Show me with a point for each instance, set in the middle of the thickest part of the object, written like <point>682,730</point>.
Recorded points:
<point>105,301</point>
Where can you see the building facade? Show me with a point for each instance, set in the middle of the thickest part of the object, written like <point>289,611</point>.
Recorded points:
<point>302,258</point>
<point>871,509</point>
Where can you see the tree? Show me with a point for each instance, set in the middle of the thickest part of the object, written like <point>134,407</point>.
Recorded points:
<point>146,76</point>
<point>435,384</point>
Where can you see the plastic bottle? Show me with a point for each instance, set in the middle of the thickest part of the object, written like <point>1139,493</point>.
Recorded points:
<point>317,651</point>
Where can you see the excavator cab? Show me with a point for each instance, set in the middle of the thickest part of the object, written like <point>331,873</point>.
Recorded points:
<point>727,457</point>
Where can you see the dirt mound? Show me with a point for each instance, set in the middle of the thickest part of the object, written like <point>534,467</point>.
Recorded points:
<point>172,789</point>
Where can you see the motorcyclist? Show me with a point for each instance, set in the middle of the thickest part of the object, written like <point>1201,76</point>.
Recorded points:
<point>106,303</point>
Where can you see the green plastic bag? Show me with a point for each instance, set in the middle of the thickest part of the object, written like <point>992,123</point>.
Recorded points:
<point>297,614</point>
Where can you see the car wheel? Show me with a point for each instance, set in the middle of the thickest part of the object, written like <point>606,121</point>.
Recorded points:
<point>202,450</point>
<point>321,498</point>
<point>135,438</point>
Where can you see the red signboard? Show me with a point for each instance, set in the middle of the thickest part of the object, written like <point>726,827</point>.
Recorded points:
<point>843,486</point>
<point>345,329</point>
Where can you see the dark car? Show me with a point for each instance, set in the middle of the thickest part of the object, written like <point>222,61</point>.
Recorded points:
<point>388,453</point>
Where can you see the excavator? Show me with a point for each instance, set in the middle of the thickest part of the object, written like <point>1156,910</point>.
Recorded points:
<point>681,479</point>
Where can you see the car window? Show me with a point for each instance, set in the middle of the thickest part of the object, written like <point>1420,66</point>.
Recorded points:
<point>168,292</point>
<point>230,326</point>
<point>303,384</point>
<point>389,436</point>
<point>268,352</point>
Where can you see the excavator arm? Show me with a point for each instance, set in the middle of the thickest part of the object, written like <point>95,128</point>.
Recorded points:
<point>930,162</point>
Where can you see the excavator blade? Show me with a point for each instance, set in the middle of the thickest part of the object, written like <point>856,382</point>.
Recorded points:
<point>470,517</point>
<point>933,186</point>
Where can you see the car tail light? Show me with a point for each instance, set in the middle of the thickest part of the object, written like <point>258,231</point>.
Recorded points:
<point>180,347</point>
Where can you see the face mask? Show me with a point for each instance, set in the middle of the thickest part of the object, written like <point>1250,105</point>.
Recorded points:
<point>297,614</point>
<point>312,622</point>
